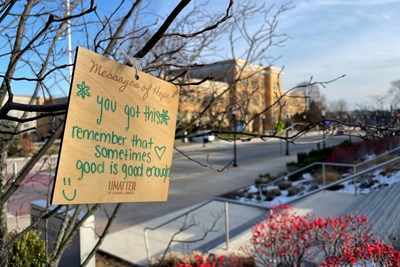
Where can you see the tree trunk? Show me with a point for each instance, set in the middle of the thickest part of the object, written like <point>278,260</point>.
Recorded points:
<point>3,212</point>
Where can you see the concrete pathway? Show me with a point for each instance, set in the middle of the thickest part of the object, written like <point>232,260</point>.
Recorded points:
<point>324,203</point>
<point>383,210</point>
<point>200,228</point>
<point>192,224</point>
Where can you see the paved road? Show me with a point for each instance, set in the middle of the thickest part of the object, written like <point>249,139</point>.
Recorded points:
<point>35,186</point>
<point>192,183</point>
<point>221,154</point>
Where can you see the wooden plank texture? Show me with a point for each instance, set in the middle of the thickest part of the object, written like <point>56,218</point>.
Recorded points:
<point>119,134</point>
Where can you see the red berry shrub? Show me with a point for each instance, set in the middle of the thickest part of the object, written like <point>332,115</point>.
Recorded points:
<point>357,152</point>
<point>285,238</point>
<point>343,155</point>
<point>199,260</point>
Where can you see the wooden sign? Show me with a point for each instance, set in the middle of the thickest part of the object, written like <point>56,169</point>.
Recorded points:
<point>118,137</point>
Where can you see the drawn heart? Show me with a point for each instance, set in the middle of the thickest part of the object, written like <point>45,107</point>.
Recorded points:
<point>160,151</point>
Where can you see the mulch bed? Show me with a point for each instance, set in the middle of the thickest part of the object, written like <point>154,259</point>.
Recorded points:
<point>106,260</point>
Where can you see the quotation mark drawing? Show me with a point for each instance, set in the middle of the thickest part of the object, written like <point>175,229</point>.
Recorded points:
<point>160,151</point>
<point>83,90</point>
<point>67,182</point>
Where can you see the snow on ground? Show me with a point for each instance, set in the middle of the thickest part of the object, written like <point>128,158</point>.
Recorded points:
<point>375,181</point>
<point>307,177</point>
<point>283,198</point>
<point>378,180</point>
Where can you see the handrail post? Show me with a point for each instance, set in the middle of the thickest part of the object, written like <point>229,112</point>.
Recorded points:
<point>287,142</point>
<point>147,245</point>
<point>260,192</point>
<point>146,239</point>
<point>323,174</point>
<point>15,169</point>
<point>355,186</point>
<point>355,180</point>
<point>227,225</point>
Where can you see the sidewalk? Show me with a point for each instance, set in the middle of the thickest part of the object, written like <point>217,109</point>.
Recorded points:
<point>233,178</point>
<point>16,164</point>
<point>223,143</point>
<point>196,223</point>
<point>206,225</point>
<point>324,203</point>
<point>129,243</point>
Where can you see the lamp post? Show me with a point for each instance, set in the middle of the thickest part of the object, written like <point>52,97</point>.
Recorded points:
<point>323,129</point>
<point>348,119</point>
<point>69,40</point>
<point>287,133</point>
<point>264,123</point>
<point>233,111</point>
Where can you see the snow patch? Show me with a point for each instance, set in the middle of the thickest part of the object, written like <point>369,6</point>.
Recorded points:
<point>375,181</point>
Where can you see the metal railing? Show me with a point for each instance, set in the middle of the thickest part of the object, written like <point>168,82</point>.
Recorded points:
<point>355,167</point>
<point>351,177</point>
<point>354,177</point>
<point>237,228</point>
<point>377,157</point>
<point>147,229</point>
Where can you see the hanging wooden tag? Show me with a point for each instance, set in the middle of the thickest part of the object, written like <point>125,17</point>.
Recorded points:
<point>119,135</point>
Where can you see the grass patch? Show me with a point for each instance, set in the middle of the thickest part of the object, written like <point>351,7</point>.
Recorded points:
<point>54,149</point>
<point>180,143</point>
<point>230,136</point>
<point>330,177</point>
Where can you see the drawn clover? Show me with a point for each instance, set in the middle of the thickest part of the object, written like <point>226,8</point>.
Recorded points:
<point>83,90</point>
<point>164,117</point>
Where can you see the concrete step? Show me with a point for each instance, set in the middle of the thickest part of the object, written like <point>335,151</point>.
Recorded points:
<point>198,228</point>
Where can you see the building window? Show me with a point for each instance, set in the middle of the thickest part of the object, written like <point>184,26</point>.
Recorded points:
<point>185,116</point>
<point>256,99</point>
<point>245,83</point>
<point>245,94</point>
<point>276,87</point>
<point>254,85</point>
<point>261,83</point>
<point>198,100</point>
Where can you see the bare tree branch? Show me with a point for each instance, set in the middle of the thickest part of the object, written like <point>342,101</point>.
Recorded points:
<point>206,29</point>
<point>159,34</point>
<point>103,235</point>
<point>122,25</point>
<point>202,164</point>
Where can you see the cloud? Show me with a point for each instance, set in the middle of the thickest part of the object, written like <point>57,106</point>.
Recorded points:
<point>329,39</point>
<point>334,37</point>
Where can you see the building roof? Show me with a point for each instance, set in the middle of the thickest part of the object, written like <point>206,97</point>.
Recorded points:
<point>222,70</point>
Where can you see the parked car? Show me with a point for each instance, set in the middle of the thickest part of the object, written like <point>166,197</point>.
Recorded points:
<point>204,136</point>
<point>342,130</point>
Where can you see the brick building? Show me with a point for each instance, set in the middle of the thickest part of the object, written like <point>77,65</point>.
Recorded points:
<point>249,88</point>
